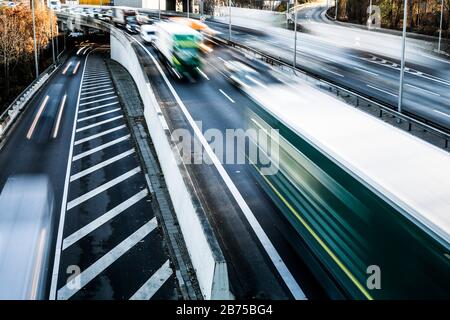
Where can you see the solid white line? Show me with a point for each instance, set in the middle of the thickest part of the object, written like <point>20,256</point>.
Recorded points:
<point>98,95</point>
<point>98,115</point>
<point>104,262</point>
<point>202,73</point>
<point>330,71</point>
<point>77,235</point>
<point>36,118</point>
<point>101,147</point>
<point>96,91</point>
<point>366,71</point>
<point>99,134</point>
<point>381,90</point>
<point>227,96</point>
<point>98,107</point>
<point>58,120</point>
<point>88,195</point>
<point>424,90</point>
<point>59,239</point>
<point>100,165</point>
<point>76,68</point>
<point>99,100</point>
<point>67,67</point>
<point>259,231</point>
<point>442,113</point>
<point>152,285</point>
<point>98,123</point>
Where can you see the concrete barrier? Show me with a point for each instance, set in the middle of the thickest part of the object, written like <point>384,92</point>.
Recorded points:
<point>202,245</point>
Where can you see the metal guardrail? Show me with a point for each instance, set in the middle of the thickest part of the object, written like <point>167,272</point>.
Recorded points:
<point>10,115</point>
<point>383,109</point>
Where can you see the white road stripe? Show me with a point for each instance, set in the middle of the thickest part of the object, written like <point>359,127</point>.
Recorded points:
<point>59,239</point>
<point>98,115</point>
<point>89,86</point>
<point>271,251</point>
<point>95,80</point>
<point>227,96</point>
<point>381,90</point>
<point>98,123</point>
<point>153,284</point>
<point>76,67</point>
<point>58,119</point>
<point>202,73</point>
<point>99,100</point>
<point>99,134</point>
<point>256,81</point>
<point>424,90</point>
<point>101,147</point>
<point>335,73</point>
<point>99,107</point>
<point>366,71</point>
<point>442,113</point>
<point>104,262</point>
<point>77,235</point>
<point>85,197</point>
<point>96,91</point>
<point>98,95</point>
<point>99,76</point>
<point>95,88</point>
<point>100,165</point>
<point>67,67</point>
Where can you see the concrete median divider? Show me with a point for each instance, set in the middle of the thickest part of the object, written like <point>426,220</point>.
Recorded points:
<point>205,253</point>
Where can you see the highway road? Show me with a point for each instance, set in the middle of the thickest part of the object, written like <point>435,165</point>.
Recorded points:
<point>364,61</point>
<point>106,235</point>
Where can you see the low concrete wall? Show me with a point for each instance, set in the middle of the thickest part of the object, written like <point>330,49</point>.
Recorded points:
<point>205,253</point>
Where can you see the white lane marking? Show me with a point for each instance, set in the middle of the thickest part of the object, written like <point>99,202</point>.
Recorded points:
<point>88,195</point>
<point>36,118</point>
<point>202,73</point>
<point>59,239</point>
<point>95,88</point>
<point>58,119</point>
<point>435,58</point>
<point>98,115</point>
<point>256,81</point>
<point>67,67</point>
<point>366,71</point>
<point>97,83</point>
<point>99,100</point>
<point>442,113</point>
<point>227,96</point>
<point>104,262</point>
<point>100,165</point>
<point>97,76</point>
<point>76,68</point>
<point>96,91</point>
<point>98,123</point>
<point>100,147</point>
<point>98,95</point>
<point>381,90</point>
<point>79,234</point>
<point>273,254</point>
<point>99,134</point>
<point>154,283</point>
<point>333,72</point>
<point>98,107</point>
<point>95,79</point>
<point>424,90</point>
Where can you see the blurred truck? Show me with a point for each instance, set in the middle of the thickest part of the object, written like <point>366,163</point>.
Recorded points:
<point>179,47</point>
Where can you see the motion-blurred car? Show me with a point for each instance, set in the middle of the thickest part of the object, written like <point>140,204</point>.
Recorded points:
<point>105,15</point>
<point>132,25</point>
<point>144,18</point>
<point>26,215</point>
<point>148,33</point>
<point>240,74</point>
